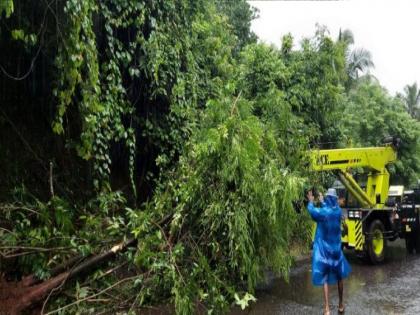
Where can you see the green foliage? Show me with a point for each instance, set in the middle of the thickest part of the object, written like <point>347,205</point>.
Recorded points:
<point>227,226</point>
<point>358,60</point>
<point>411,99</point>
<point>138,74</point>
<point>371,115</point>
<point>77,61</point>
<point>314,88</point>
<point>262,68</point>
<point>240,14</point>
<point>244,302</point>
<point>262,77</point>
<point>160,60</point>
<point>175,99</point>
<point>308,80</point>
<point>286,45</point>
<point>7,7</point>
<point>209,58</point>
<point>61,229</point>
<point>28,39</point>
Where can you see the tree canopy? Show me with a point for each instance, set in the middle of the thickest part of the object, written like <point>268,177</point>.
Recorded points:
<point>411,99</point>
<point>372,115</point>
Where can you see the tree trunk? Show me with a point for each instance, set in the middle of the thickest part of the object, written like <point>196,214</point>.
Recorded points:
<point>16,297</point>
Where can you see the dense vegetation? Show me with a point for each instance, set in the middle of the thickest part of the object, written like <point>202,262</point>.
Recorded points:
<point>168,122</point>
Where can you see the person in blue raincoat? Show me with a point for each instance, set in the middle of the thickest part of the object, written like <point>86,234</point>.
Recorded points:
<point>329,266</point>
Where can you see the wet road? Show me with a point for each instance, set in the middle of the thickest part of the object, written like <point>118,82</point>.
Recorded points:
<point>390,288</point>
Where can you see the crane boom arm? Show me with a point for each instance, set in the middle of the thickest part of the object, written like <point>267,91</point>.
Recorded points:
<point>373,158</point>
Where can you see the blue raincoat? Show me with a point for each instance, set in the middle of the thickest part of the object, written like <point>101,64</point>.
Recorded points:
<point>328,262</point>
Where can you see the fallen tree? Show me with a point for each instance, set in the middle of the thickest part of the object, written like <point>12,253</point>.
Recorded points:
<point>223,216</point>
<point>225,166</point>
<point>16,297</point>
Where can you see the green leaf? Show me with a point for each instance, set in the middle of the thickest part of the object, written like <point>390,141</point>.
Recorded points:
<point>18,34</point>
<point>7,7</point>
<point>244,301</point>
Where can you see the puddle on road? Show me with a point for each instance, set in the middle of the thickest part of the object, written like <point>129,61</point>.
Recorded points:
<point>389,288</point>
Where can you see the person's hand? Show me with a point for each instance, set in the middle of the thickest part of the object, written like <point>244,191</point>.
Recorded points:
<point>310,196</point>
<point>321,197</point>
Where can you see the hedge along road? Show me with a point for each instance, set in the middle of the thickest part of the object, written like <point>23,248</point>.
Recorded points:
<point>390,288</point>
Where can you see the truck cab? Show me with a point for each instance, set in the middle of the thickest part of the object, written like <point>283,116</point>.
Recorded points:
<point>395,195</point>
<point>409,219</point>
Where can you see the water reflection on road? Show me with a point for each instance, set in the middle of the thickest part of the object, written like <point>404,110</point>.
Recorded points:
<point>390,288</point>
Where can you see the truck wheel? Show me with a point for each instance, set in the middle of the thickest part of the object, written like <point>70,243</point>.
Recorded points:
<point>416,237</point>
<point>410,243</point>
<point>376,243</point>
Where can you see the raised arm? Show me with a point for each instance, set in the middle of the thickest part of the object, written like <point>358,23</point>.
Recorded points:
<point>317,214</point>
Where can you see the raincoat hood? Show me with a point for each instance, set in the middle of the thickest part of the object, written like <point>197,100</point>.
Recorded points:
<point>331,201</point>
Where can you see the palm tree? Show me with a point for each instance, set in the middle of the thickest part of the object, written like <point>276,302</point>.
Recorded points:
<point>358,60</point>
<point>411,99</point>
<point>346,37</point>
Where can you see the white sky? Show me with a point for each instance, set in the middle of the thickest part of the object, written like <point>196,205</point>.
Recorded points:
<point>389,29</point>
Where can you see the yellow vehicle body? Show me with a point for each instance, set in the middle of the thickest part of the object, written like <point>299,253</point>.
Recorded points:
<point>372,198</point>
<point>343,160</point>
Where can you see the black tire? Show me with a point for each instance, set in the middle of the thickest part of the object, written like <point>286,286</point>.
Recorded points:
<point>410,243</point>
<point>416,238</point>
<point>375,238</point>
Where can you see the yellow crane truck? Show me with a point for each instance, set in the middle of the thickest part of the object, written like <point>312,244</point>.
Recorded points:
<point>375,220</point>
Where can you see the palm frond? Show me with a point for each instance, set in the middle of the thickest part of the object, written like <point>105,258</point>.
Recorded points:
<point>411,99</point>
<point>359,60</point>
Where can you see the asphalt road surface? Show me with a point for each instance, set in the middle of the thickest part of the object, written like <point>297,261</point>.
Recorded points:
<point>390,288</point>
